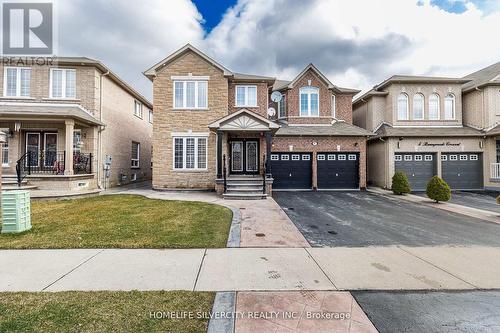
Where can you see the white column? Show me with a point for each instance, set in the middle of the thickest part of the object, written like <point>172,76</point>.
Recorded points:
<point>70,126</point>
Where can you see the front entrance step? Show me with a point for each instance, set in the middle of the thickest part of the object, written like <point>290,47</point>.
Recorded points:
<point>244,196</point>
<point>243,184</point>
<point>245,188</point>
<point>18,188</point>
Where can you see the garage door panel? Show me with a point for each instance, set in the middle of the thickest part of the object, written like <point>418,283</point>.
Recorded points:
<point>291,170</point>
<point>463,171</point>
<point>418,167</point>
<point>338,171</point>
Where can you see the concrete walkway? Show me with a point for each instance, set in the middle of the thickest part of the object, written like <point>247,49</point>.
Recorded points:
<point>450,207</point>
<point>263,222</point>
<point>252,269</point>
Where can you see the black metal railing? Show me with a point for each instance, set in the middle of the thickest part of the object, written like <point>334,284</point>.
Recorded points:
<point>82,163</point>
<point>264,175</point>
<point>224,172</point>
<point>51,162</point>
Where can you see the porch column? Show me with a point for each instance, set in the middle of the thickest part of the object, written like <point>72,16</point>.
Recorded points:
<point>68,158</point>
<point>220,138</point>
<point>269,142</point>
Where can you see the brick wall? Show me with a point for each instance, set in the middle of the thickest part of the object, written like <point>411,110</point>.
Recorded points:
<point>325,144</point>
<point>167,120</point>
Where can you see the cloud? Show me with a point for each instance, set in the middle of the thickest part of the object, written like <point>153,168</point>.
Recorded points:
<point>357,43</point>
<point>129,36</point>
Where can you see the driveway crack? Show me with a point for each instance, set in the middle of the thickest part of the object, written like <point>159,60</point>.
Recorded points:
<point>321,268</point>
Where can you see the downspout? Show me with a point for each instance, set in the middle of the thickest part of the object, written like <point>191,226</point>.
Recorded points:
<point>101,128</point>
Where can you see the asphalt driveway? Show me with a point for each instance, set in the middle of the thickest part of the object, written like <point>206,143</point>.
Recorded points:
<point>357,219</point>
<point>480,200</point>
<point>476,311</point>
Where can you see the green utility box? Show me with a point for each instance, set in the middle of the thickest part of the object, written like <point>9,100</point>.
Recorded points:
<point>16,211</point>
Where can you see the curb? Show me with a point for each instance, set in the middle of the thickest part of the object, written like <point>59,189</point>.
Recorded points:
<point>223,309</point>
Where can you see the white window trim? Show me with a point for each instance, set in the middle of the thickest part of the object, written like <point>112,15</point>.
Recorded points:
<point>423,106</point>
<point>184,138</point>
<point>334,106</point>
<point>282,103</point>
<point>18,82</point>
<point>150,116</point>
<point>246,105</point>
<point>138,159</point>
<point>438,106</point>
<point>63,83</point>
<point>189,78</point>
<point>309,102</point>
<point>3,148</point>
<point>453,110</point>
<point>407,107</point>
<point>141,109</point>
<point>184,95</point>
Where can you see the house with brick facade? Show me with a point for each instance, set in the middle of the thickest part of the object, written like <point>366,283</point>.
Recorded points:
<point>73,125</point>
<point>246,135</point>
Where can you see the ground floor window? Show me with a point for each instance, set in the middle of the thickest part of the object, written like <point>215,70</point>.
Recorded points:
<point>498,151</point>
<point>190,153</point>
<point>136,148</point>
<point>5,153</point>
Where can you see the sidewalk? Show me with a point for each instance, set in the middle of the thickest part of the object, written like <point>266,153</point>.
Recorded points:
<point>450,207</point>
<point>252,269</point>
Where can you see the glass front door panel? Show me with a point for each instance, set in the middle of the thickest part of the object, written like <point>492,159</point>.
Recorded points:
<point>237,156</point>
<point>50,149</point>
<point>251,156</point>
<point>33,148</point>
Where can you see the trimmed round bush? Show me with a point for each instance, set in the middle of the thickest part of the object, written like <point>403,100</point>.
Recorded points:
<point>438,190</point>
<point>400,183</point>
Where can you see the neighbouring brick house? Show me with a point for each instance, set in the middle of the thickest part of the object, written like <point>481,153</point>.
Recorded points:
<point>213,130</point>
<point>64,118</point>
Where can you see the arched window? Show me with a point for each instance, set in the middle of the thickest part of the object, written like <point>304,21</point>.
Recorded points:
<point>434,107</point>
<point>309,102</point>
<point>403,106</point>
<point>449,106</point>
<point>418,106</point>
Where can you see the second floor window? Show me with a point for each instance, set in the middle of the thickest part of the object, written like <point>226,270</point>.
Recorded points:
<point>150,118</point>
<point>190,94</point>
<point>403,106</point>
<point>138,109</point>
<point>17,82</point>
<point>334,107</point>
<point>449,106</point>
<point>282,107</point>
<point>136,148</point>
<point>62,83</point>
<point>434,107</point>
<point>246,96</point>
<point>418,106</point>
<point>309,102</point>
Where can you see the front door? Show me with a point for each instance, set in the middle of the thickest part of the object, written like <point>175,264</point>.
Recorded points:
<point>33,149</point>
<point>244,156</point>
<point>50,149</point>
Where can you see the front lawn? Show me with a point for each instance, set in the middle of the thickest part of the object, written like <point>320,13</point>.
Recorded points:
<point>103,311</point>
<point>122,221</point>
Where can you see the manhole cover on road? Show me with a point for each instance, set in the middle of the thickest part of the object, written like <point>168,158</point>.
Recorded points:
<point>260,235</point>
<point>331,232</point>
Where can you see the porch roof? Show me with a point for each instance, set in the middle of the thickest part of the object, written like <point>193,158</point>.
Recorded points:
<point>339,128</point>
<point>244,120</point>
<point>49,111</point>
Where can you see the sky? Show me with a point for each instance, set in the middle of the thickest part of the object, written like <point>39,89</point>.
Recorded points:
<point>355,43</point>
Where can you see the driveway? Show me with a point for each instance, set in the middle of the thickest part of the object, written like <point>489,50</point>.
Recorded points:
<point>358,219</point>
<point>476,311</point>
<point>480,200</point>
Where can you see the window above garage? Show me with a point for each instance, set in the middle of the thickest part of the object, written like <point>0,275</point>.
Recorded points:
<point>309,102</point>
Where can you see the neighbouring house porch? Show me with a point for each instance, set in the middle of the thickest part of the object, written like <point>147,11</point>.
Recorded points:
<point>50,153</point>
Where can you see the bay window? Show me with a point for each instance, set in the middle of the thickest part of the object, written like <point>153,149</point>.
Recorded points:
<point>246,96</point>
<point>449,107</point>
<point>309,102</point>
<point>17,81</point>
<point>190,153</point>
<point>190,94</point>
<point>62,83</point>
<point>434,108</point>
<point>403,106</point>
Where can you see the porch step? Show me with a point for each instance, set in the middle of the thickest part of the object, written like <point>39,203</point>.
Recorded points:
<point>244,184</point>
<point>18,188</point>
<point>245,188</point>
<point>244,196</point>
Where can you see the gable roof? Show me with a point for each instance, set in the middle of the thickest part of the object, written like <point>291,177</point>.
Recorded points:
<point>483,77</point>
<point>216,124</point>
<point>290,84</point>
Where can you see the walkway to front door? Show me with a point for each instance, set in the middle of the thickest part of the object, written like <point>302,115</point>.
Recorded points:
<point>244,156</point>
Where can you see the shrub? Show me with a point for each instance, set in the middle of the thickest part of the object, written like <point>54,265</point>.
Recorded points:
<point>498,200</point>
<point>438,189</point>
<point>400,183</point>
